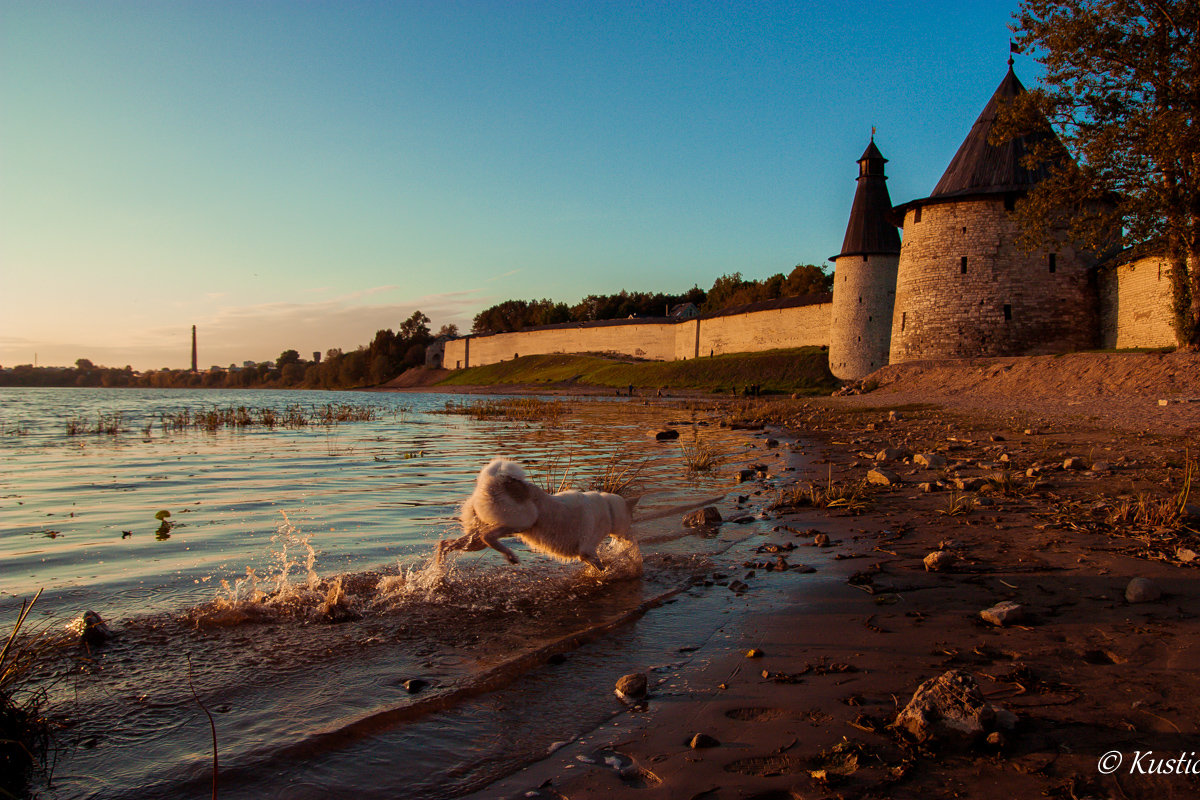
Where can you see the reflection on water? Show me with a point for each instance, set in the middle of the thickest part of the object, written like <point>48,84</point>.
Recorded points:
<point>293,588</point>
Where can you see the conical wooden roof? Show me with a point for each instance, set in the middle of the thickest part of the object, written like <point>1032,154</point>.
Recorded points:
<point>870,229</point>
<point>982,168</point>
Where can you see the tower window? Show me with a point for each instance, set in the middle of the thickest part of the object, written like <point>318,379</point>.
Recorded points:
<point>1007,312</point>
<point>1052,260</point>
<point>962,265</point>
<point>1010,202</point>
<point>903,319</point>
<point>917,214</point>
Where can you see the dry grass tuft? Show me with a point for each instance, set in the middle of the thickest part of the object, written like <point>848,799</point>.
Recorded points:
<point>852,496</point>
<point>24,728</point>
<point>618,478</point>
<point>701,455</point>
<point>514,409</point>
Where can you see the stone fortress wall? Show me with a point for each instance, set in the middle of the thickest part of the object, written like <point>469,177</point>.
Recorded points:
<point>1135,312</point>
<point>1135,304</point>
<point>793,322</point>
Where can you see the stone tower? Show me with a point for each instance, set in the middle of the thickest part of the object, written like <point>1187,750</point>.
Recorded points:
<point>864,278</point>
<point>963,287</point>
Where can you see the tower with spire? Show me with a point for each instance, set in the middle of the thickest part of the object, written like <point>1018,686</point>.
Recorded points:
<point>864,288</point>
<point>963,286</point>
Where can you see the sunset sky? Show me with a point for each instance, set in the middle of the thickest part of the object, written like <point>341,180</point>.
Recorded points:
<point>302,174</point>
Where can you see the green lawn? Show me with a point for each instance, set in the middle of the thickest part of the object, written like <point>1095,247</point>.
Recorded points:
<point>804,370</point>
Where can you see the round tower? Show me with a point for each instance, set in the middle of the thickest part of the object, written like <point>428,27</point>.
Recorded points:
<point>864,278</point>
<point>963,287</point>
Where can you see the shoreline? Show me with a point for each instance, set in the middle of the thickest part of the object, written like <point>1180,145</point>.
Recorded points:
<point>1086,672</point>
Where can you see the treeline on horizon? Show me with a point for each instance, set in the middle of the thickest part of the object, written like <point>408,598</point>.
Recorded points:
<point>391,353</point>
<point>727,291</point>
<point>388,355</point>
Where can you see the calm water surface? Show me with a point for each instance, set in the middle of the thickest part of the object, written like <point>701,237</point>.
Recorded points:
<point>293,588</point>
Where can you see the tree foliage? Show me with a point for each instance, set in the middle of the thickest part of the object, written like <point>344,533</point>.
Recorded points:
<point>727,291</point>
<point>1122,90</point>
<point>731,290</point>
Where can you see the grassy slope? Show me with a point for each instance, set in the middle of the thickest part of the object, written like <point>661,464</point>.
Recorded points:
<point>803,370</point>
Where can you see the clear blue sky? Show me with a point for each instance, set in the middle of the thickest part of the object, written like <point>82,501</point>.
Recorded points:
<point>301,174</point>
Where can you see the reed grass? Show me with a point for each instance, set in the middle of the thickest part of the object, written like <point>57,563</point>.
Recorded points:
<point>514,409</point>
<point>24,728</point>
<point>618,477</point>
<point>1145,510</point>
<point>106,424</point>
<point>852,496</point>
<point>958,504</point>
<point>701,455</point>
<point>215,419</point>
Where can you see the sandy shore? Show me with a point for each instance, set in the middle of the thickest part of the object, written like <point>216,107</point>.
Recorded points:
<point>1086,672</point>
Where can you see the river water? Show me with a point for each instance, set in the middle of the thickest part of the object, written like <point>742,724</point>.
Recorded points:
<point>290,590</point>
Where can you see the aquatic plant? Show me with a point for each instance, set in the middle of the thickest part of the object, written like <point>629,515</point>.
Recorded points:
<point>515,409</point>
<point>701,455</point>
<point>24,727</point>
<point>619,475</point>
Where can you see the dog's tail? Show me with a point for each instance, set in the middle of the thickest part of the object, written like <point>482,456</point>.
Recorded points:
<point>683,509</point>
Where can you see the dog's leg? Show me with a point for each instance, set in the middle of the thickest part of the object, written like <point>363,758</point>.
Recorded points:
<point>491,538</point>
<point>595,562</point>
<point>469,543</point>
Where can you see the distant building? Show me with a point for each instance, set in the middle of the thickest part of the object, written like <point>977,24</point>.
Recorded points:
<point>683,311</point>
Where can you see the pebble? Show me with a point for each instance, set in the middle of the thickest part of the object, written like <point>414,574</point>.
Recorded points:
<point>1074,462</point>
<point>666,434</point>
<point>631,687</point>
<point>1005,613</point>
<point>883,477</point>
<point>705,517</point>
<point>1142,590</point>
<point>931,460</point>
<point>939,561</point>
<point>701,740</point>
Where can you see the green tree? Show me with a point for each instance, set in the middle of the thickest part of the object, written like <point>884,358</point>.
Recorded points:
<point>287,357</point>
<point>1122,90</point>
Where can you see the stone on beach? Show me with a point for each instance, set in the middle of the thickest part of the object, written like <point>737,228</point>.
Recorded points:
<point>930,460</point>
<point>701,740</point>
<point>890,454</point>
<point>631,687</point>
<point>95,631</point>
<point>948,707</point>
<point>666,434</point>
<point>1074,462</point>
<point>706,517</point>
<point>1005,613</point>
<point>1142,590</point>
<point>883,477</point>
<point>939,561</point>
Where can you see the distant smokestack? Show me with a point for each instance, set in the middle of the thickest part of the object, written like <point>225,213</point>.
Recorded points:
<point>193,348</point>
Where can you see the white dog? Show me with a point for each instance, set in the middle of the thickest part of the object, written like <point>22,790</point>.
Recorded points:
<point>569,525</point>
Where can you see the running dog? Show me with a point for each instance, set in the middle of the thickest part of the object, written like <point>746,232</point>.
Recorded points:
<point>568,525</point>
